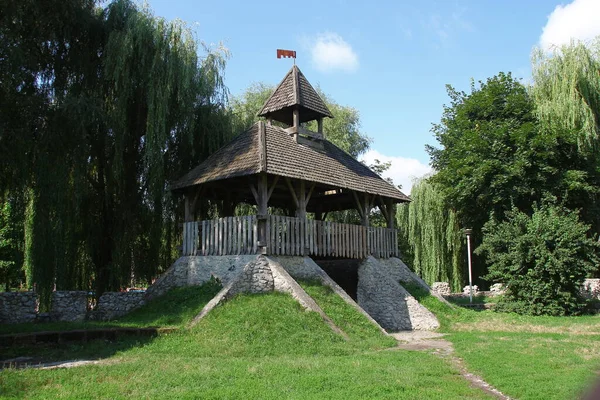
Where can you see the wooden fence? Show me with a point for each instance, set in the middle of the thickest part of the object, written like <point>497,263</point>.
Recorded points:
<point>288,236</point>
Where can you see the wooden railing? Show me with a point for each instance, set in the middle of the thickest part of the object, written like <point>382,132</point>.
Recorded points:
<point>288,236</point>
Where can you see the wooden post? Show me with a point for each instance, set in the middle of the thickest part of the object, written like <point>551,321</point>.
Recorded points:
<point>301,210</point>
<point>363,207</point>
<point>391,213</point>
<point>187,207</point>
<point>263,198</point>
<point>296,118</point>
<point>320,125</point>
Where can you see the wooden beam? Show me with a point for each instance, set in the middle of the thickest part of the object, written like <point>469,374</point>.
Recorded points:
<point>383,208</point>
<point>263,209</point>
<point>391,221</point>
<point>262,146</point>
<point>299,130</point>
<point>296,117</point>
<point>254,192</point>
<point>359,206</point>
<point>272,187</point>
<point>302,201</point>
<point>310,191</point>
<point>292,191</point>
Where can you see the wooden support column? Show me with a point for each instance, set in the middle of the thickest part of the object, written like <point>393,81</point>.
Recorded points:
<point>391,211</point>
<point>301,210</point>
<point>228,206</point>
<point>388,209</point>
<point>188,215</point>
<point>190,201</point>
<point>320,125</point>
<point>363,206</point>
<point>262,208</point>
<point>296,118</point>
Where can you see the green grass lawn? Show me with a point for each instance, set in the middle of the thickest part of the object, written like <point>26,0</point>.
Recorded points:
<point>525,357</point>
<point>256,346</point>
<point>267,346</point>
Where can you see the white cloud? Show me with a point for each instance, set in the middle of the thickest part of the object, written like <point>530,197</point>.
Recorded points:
<point>330,52</point>
<point>578,20</point>
<point>402,171</point>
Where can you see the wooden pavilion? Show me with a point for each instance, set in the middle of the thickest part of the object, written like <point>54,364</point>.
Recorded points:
<point>294,169</point>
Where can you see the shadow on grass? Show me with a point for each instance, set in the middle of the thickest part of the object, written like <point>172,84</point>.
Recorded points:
<point>174,309</point>
<point>27,356</point>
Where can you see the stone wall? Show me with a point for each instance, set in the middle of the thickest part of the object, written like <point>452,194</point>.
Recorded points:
<point>69,306</point>
<point>591,289</point>
<point>441,288</point>
<point>17,307</point>
<point>196,270</point>
<point>380,294</point>
<point>256,277</point>
<point>112,305</point>
<point>399,272</point>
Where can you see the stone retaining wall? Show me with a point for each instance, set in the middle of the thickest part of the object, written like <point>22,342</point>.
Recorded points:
<point>112,305</point>
<point>69,306</point>
<point>17,307</point>
<point>380,294</point>
<point>196,270</point>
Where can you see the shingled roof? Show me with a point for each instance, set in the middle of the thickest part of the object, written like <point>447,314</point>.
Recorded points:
<point>294,91</point>
<point>283,156</point>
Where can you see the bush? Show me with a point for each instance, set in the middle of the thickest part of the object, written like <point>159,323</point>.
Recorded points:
<point>543,260</point>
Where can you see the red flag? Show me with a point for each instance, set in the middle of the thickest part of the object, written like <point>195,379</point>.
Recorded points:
<point>286,53</point>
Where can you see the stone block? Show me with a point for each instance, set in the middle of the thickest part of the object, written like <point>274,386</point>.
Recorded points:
<point>441,288</point>
<point>69,306</point>
<point>17,307</point>
<point>467,290</point>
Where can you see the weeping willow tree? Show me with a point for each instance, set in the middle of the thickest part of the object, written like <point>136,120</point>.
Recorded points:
<point>566,93</point>
<point>121,104</point>
<point>431,236</point>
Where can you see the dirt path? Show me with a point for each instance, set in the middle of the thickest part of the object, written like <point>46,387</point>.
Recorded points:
<point>436,344</point>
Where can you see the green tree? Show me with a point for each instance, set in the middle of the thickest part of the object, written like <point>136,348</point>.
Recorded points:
<point>11,250</point>
<point>566,91</point>
<point>431,239</point>
<point>112,104</point>
<point>542,259</point>
<point>491,155</point>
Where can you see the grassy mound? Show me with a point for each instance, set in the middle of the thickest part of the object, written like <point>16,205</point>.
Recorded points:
<point>361,331</point>
<point>177,307</point>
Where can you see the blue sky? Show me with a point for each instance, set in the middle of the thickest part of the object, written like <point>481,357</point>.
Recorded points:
<point>390,60</point>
